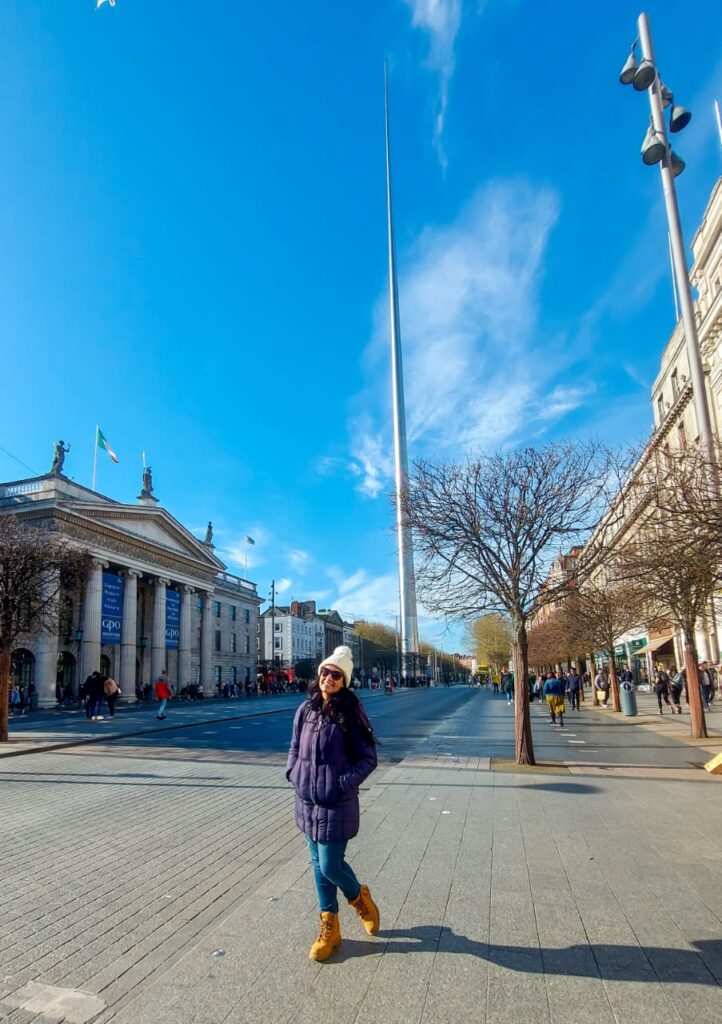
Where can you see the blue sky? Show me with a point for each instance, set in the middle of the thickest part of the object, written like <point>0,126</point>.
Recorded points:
<point>193,250</point>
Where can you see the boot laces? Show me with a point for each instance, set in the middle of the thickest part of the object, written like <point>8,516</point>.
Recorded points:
<point>326,929</point>
<point>362,908</point>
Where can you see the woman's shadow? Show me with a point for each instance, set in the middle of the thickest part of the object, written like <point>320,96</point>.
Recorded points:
<point>701,965</point>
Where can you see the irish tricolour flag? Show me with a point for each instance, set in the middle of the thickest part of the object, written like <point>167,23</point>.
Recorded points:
<point>102,443</point>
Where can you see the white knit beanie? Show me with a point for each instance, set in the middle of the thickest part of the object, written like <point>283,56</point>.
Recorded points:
<point>342,658</point>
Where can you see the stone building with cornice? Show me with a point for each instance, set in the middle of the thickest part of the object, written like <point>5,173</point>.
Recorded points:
<point>156,597</point>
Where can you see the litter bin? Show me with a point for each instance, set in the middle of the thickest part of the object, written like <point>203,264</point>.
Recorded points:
<point>628,698</point>
<point>34,701</point>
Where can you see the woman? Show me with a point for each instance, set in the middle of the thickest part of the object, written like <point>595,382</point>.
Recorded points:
<point>554,693</point>
<point>661,686</point>
<point>332,752</point>
<point>676,684</point>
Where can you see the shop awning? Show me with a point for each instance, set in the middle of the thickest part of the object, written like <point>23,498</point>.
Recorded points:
<point>654,645</point>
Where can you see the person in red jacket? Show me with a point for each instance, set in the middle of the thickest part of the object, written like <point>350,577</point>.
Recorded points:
<point>162,692</point>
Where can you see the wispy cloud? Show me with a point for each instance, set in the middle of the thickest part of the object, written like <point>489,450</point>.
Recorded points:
<point>364,596</point>
<point>299,559</point>
<point>476,371</point>
<point>441,19</point>
<point>283,585</point>
<point>232,549</point>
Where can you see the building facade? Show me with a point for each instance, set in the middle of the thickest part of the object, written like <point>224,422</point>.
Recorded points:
<point>675,426</point>
<point>297,632</point>
<point>156,598</point>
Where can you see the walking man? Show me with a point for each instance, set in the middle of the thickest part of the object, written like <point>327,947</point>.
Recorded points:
<point>574,686</point>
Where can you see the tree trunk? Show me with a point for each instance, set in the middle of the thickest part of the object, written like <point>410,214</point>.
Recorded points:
<point>614,684</point>
<point>522,718</point>
<point>593,676</point>
<point>4,694</point>
<point>697,721</point>
<point>581,678</point>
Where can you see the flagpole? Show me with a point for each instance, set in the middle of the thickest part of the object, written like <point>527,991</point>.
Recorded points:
<point>719,121</point>
<point>95,455</point>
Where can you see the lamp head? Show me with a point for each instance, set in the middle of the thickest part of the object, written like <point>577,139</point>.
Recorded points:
<point>653,147</point>
<point>676,163</point>
<point>679,118</point>
<point>644,75</point>
<point>626,75</point>
<point>667,97</point>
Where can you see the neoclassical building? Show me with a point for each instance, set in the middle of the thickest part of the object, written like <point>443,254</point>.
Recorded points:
<point>156,598</point>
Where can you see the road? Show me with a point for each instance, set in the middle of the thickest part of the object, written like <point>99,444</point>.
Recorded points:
<point>129,864</point>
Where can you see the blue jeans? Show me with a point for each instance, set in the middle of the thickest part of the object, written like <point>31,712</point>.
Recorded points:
<point>331,872</point>
<point>161,706</point>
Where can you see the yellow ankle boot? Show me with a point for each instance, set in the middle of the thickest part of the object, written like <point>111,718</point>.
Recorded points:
<point>328,938</point>
<point>367,910</point>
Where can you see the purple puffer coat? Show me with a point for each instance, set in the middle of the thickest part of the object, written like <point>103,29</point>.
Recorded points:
<point>325,779</point>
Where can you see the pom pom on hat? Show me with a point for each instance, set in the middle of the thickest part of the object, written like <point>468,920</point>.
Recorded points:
<point>342,658</point>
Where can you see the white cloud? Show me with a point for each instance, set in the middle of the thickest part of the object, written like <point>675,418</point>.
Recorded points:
<point>232,549</point>
<point>299,559</point>
<point>363,596</point>
<point>283,585</point>
<point>475,373</point>
<point>441,19</point>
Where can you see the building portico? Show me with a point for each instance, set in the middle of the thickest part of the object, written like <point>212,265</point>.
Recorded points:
<point>153,599</point>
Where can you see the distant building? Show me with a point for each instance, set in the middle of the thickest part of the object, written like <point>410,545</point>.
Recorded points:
<point>296,632</point>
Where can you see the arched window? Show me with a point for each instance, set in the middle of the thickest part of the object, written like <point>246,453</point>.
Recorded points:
<point>66,682</point>
<point>22,667</point>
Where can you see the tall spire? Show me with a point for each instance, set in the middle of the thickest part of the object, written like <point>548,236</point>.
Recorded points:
<point>404,538</point>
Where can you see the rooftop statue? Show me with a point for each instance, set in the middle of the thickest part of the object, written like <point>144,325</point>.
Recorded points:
<point>61,450</point>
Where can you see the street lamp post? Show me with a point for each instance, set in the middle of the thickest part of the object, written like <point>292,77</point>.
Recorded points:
<point>656,149</point>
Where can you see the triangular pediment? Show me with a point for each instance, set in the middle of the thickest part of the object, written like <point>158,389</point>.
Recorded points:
<point>154,526</point>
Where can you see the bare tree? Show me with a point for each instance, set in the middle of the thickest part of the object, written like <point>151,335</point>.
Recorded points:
<point>488,531</point>
<point>672,558</point>
<point>37,568</point>
<point>598,614</point>
<point>549,640</point>
<point>491,638</point>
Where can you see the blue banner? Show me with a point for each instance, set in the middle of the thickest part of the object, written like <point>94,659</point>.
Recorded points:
<point>111,621</point>
<point>172,619</point>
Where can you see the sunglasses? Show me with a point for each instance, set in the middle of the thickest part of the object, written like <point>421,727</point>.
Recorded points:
<point>332,674</point>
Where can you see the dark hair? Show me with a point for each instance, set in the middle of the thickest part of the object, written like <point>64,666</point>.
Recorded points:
<point>343,707</point>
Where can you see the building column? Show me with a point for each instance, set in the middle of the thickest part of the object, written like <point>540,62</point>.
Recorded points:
<point>46,659</point>
<point>157,643</point>
<point>184,642</point>
<point>128,641</point>
<point>207,644</point>
<point>92,613</point>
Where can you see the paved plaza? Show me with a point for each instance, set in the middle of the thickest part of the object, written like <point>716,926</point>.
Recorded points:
<point>160,877</point>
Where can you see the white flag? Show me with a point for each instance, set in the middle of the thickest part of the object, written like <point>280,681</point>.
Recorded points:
<point>99,3</point>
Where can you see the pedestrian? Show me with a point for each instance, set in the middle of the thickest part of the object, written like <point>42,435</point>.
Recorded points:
<point>574,686</point>
<point>15,699</point>
<point>601,685</point>
<point>676,683</point>
<point>95,696</point>
<point>661,686</point>
<point>495,684</point>
<point>554,693</point>
<point>162,693</point>
<point>333,750</point>
<point>507,686</point>
<point>705,684</point>
<point>112,692</point>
